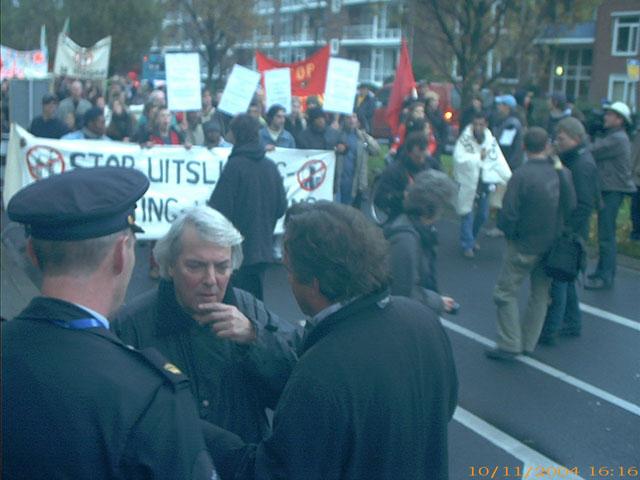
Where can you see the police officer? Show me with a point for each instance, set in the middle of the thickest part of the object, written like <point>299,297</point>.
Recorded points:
<point>77,402</point>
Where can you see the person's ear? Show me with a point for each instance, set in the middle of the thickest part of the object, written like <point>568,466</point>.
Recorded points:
<point>120,254</point>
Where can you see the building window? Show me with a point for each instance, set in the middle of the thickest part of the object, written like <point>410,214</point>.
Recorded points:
<point>625,35</point>
<point>571,71</point>
<point>621,89</point>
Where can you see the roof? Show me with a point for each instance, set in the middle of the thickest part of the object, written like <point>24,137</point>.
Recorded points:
<point>578,34</point>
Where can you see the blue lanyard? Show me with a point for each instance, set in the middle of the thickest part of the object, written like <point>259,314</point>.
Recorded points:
<point>79,324</point>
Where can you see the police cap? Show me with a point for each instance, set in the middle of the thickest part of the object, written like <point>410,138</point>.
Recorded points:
<point>80,204</point>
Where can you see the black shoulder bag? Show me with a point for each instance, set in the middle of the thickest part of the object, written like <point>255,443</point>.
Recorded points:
<point>567,255</point>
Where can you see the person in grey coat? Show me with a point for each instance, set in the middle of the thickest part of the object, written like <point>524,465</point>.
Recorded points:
<point>612,154</point>
<point>235,352</point>
<point>413,240</point>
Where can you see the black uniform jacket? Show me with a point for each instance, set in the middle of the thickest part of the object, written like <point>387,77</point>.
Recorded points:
<point>81,404</point>
<point>232,383</point>
<point>370,398</point>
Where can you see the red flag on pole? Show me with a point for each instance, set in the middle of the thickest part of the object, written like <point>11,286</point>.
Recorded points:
<point>402,87</point>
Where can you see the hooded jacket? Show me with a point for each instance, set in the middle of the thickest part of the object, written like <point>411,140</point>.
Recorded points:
<point>250,193</point>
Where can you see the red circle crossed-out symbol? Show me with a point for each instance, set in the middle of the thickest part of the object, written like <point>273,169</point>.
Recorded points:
<point>43,162</point>
<point>312,174</point>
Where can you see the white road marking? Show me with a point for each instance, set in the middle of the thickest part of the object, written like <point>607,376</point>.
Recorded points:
<point>543,367</point>
<point>612,317</point>
<point>533,461</point>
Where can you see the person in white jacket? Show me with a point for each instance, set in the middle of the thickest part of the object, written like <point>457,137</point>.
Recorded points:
<point>478,166</point>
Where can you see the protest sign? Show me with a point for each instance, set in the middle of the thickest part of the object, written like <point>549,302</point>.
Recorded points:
<point>239,90</point>
<point>22,64</point>
<point>277,86</point>
<point>179,178</point>
<point>79,62</point>
<point>183,81</point>
<point>342,85</point>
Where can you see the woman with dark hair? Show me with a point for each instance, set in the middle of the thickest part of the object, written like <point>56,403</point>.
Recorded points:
<point>121,125</point>
<point>413,239</point>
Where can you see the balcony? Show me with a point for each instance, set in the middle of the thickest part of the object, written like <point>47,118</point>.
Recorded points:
<point>370,34</point>
<point>266,7</point>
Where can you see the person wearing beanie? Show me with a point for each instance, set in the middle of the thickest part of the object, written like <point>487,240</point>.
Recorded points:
<point>317,136</point>
<point>563,315</point>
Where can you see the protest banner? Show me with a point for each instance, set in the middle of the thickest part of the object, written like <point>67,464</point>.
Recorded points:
<point>183,81</point>
<point>239,90</point>
<point>277,86</point>
<point>308,76</point>
<point>342,85</point>
<point>179,178</point>
<point>22,64</point>
<point>633,69</point>
<point>79,62</point>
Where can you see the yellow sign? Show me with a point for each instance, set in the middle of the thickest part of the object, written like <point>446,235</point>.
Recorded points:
<point>633,70</point>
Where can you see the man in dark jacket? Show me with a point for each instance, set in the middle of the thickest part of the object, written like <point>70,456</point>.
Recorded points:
<point>528,219</point>
<point>317,136</point>
<point>250,193</point>
<point>232,348</point>
<point>48,125</point>
<point>375,385</point>
<point>68,383</point>
<point>570,145</point>
<point>389,192</point>
<point>508,131</point>
<point>612,154</point>
<point>365,107</point>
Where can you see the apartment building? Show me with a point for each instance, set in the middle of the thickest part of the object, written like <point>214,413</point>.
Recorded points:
<point>364,30</point>
<point>589,60</point>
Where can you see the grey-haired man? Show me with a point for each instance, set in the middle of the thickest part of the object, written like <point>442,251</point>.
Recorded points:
<point>233,349</point>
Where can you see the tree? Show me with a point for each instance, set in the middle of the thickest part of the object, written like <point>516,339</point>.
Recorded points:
<point>214,26</point>
<point>132,25</point>
<point>468,32</point>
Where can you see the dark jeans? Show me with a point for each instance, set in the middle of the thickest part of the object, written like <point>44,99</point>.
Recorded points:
<point>564,310</point>
<point>250,279</point>
<point>606,269</point>
<point>472,222</point>
<point>635,212</point>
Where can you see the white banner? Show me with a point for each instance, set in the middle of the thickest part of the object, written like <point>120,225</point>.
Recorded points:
<point>183,81</point>
<point>239,90</point>
<point>23,64</point>
<point>79,62</point>
<point>342,85</point>
<point>179,178</point>
<point>277,86</point>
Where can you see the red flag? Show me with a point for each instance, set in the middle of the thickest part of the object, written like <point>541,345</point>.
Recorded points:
<point>308,76</point>
<point>402,87</point>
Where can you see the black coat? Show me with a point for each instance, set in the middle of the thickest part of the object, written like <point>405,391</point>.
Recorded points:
<point>393,181</point>
<point>250,193</point>
<point>412,248</point>
<point>80,404</point>
<point>530,208</point>
<point>370,398</point>
<point>585,181</point>
<point>232,383</point>
<point>327,139</point>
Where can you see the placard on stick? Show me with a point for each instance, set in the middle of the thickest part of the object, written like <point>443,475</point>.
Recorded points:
<point>239,90</point>
<point>183,81</point>
<point>342,85</point>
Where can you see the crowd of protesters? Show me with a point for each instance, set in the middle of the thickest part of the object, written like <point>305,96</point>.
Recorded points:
<point>207,315</point>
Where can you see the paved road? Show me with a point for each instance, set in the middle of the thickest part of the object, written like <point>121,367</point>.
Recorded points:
<point>575,405</point>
